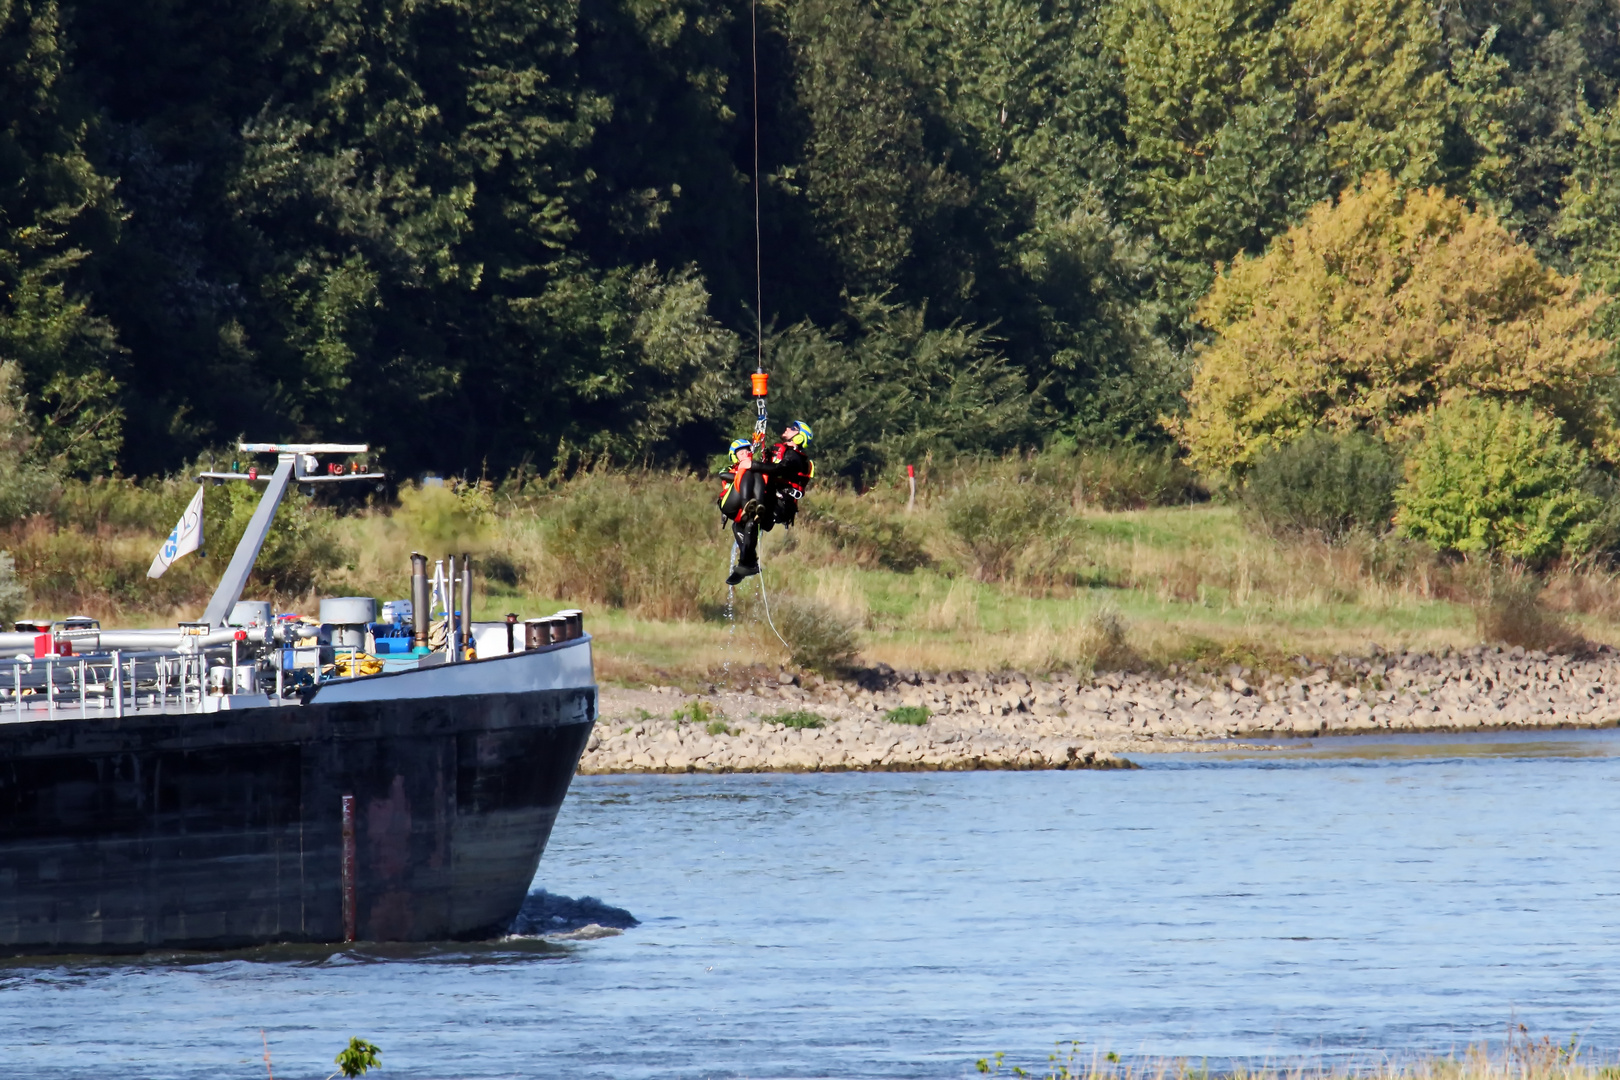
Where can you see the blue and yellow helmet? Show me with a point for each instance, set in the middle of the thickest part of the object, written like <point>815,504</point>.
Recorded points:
<point>798,433</point>
<point>737,447</point>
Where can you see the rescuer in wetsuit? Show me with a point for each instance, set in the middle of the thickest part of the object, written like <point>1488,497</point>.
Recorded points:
<point>764,491</point>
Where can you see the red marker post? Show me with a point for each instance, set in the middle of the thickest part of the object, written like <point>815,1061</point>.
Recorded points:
<point>911,478</point>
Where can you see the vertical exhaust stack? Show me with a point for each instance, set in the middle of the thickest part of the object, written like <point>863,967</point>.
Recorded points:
<point>467,641</point>
<point>452,652</point>
<point>419,600</point>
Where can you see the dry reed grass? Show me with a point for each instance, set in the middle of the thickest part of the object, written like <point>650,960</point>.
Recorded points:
<point>838,590</point>
<point>1519,1057</point>
<point>645,552</point>
<point>1284,576</point>
<point>955,612</point>
<point>1512,613</point>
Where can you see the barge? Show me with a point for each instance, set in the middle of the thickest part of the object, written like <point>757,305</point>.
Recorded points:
<point>250,779</point>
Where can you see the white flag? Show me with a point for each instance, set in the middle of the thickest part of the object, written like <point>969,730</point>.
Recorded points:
<point>186,537</point>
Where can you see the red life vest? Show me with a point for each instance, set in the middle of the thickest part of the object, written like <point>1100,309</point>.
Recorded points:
<point>792,468</point>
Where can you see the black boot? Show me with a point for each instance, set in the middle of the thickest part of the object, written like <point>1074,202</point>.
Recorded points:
<point>747,536</point>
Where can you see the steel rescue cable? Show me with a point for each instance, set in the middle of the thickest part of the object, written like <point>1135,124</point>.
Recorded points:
<point>760,380</point>
<point>759,383</point>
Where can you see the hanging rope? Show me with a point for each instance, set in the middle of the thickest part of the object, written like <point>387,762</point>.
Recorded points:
<point>763,598</point>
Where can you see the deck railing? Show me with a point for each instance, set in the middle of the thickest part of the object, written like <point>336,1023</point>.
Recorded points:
<point>109,684</point>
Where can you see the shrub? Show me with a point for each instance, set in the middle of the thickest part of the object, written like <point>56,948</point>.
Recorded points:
<point>1324,483</point>
<point>818,638</point>
<point>915,715</point>
<point>1001,523</point>
<point>863,531</point>
<point>1375,309</point>
<point>451,516</point>
<point>719,727</point>
<point>12,595</point>
<point>1107,642</point>
<point>1134,477</point>
<point>634,540</point>
<point>356,1059</point>
<point>301,548</point>
<point>1488,477</point>
<point>1513,614</point>
<point>24,489</point>
<point>118,502</point>
<point>798,718</point>
<point>25,485</point>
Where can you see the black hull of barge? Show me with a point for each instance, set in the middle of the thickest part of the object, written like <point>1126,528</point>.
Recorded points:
<point>224,830</point>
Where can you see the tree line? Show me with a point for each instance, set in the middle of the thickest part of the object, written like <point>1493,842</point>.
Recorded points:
<point>488,235</point>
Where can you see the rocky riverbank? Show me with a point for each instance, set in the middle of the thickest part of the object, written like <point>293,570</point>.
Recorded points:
<point>1008,721</point>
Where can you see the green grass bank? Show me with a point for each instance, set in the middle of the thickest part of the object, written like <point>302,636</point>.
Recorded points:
<point>1058,562</point>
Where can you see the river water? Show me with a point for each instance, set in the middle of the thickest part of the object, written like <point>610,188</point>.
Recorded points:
<point>1334,901</point>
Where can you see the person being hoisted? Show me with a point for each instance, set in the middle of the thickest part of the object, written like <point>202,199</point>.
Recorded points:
<point>764,491</point>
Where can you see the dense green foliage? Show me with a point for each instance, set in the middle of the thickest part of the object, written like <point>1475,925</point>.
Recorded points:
<point>1324,483</point>
<point>1381,305</point>
<point>1490,478</point>
<point>485,235</point>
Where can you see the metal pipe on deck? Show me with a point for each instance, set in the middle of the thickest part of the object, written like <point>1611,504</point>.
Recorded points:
<point>466,604</point>
<point>451,645</point>
<point>420,600</point>
<point>145,640</point>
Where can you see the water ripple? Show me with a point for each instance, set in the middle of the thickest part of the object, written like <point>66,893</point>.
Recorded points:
<point>1333,900</point>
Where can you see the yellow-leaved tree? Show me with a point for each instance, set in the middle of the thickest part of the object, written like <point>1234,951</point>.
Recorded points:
<point>1377,308</point>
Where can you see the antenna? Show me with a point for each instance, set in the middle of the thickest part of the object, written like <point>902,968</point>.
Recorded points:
<point>293,460</point>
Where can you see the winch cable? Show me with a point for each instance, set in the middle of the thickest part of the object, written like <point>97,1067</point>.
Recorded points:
<point>759,384</point>
<point>761,422</point>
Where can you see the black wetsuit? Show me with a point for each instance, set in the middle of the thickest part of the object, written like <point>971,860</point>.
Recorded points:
<point>774,481</point>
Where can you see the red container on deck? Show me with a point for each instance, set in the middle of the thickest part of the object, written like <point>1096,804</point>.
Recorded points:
<point>46,645</point>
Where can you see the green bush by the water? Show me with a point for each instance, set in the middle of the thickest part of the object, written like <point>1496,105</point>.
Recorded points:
<point>1324,483</point>
<point>818,638</point>
<point>871,534</point>
<point>1489,477</point>
<point>358,1058</point>
<point>1512,612</point>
